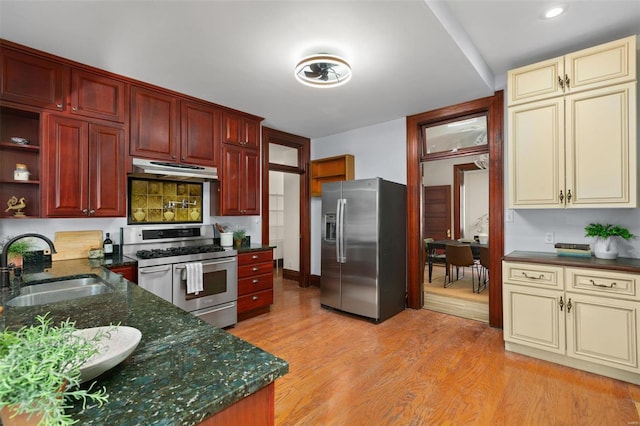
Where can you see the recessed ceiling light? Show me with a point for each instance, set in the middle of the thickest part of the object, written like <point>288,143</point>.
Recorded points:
<point>553,12</point>
<point>323,70</point>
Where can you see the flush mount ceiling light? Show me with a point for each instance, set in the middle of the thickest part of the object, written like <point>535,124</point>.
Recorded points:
<point>323,70</point>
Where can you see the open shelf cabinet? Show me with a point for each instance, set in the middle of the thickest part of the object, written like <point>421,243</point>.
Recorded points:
<point>330,169</point>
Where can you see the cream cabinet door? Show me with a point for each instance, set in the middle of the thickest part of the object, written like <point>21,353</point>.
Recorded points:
<point>601,147</point>
<point>533,317</point>
<point>603,331</point>
<point>535,82</point>
<point>536,154</point>
<point>603,65</point>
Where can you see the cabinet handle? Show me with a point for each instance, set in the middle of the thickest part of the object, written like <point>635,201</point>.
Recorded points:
<point>561,196</point>
<point>256,281</point>
<point>602,285</point>
<point>173,156</point>
<point>255,268</point>
<point>561,303</point>
<point>569,306</point>
<point>59,105</point>
<point>91,212</point>
<point>566,81</point>
<point>533,278</point>
<point>255,256</point>
<point>85,211</point>
<point>561,82</point>
<point>74,108</point>
<point>255,298</point>
<point>568,196</point>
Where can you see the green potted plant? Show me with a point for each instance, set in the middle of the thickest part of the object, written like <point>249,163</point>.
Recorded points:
<point>238,237</point>
<point>605,245</point>
<point>17,250</point>
<point>40,369</point>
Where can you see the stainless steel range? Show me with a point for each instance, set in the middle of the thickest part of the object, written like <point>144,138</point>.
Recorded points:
<point>163,254</point>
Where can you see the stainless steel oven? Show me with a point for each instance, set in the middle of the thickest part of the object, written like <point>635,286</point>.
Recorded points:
<point>220,290</point>
<point>163,253</point>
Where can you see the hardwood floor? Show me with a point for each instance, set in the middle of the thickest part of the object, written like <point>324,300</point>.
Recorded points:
<point>419,368</point>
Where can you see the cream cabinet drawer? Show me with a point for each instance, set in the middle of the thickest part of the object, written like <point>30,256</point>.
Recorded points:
<point>609,283</point>
<point>533,274</point>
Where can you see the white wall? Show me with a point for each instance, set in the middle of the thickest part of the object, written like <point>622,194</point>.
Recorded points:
<point>379,150</point>
<point>291,249</point>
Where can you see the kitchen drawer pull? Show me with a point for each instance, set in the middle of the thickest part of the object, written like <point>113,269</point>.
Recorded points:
<point>561,303</point>
<point>533,278</point>
<point>602,285</point>
<point>255,268</point>
<point>255,297</point>
<point>256,281</point>
<point>255,256</point>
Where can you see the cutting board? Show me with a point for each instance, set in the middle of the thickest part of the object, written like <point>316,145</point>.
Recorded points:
<point>76,244</point>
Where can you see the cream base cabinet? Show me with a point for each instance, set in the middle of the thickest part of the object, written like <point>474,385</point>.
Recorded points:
<point>586,318</point>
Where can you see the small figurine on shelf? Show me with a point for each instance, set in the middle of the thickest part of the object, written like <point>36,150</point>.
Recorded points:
<point>17,205</point>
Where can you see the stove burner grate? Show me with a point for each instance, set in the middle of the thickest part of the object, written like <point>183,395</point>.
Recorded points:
<point>177,251</point>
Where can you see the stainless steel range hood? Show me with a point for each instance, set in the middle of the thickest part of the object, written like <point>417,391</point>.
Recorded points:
<point>167,170</point>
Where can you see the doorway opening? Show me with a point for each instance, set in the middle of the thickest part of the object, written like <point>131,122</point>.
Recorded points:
<point>287,156</point>
<point>418,150</point>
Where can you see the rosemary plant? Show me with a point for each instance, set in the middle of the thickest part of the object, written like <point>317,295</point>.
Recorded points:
<point>40,370</point>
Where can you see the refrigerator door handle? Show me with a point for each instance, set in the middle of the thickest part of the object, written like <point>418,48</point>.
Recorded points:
<point>343,203</point>
<point>338,231</point>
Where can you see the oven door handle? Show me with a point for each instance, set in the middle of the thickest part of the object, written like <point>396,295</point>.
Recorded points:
<point>153,270</point>
<point>216,262</point>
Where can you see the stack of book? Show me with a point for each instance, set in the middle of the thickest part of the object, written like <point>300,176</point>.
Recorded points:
<point>577,250</point>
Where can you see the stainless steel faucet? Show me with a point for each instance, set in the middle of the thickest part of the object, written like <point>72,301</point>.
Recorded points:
<point>4,270</point>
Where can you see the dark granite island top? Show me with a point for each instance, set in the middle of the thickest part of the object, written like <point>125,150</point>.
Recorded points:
<point>182,372</point>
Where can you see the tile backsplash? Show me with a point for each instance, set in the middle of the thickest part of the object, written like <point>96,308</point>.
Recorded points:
<point>164,201</point>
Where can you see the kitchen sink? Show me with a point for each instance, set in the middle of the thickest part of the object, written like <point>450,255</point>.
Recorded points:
<point>60,290</point>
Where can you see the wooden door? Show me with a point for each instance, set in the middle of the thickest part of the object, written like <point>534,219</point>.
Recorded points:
<point>155,125</point>
<point>437,212</point>
<point>601,147</point>
<point>66,154</point>
<point>97,96</point>
<point>107,175</point>
<point>200,140</point>
<point>32,80</point>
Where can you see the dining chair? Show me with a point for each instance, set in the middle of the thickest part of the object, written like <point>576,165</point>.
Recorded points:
<point>461,256</point>
<point>431,257</point>
<point>484,262</point>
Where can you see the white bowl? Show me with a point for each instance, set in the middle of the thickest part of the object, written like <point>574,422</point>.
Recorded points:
<point>114,347</point>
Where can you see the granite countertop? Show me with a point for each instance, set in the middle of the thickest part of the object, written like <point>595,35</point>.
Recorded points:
<point>254,247</point>
<point>183,371</point>
<point>623,264</point>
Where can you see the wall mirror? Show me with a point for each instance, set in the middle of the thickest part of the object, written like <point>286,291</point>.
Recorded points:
<point>461,136</point>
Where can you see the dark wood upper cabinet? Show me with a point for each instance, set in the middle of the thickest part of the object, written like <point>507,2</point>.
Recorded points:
<point>84,168</point>
<point>200,133</point>
<point>240,181</point>
<point>240,130</point>
<point>98,96</point>
<point>155,124</point>
<point>32,80</point>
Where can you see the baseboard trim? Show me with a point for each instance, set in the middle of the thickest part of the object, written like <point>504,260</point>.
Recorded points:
<point>290,274</point>
<point>314,280</point>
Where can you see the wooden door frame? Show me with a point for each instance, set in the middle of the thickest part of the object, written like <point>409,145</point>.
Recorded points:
<point>303,145</point>
<point>458,181</point>
<point>494,107</point>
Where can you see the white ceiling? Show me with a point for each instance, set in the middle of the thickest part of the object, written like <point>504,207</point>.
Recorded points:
<point>407,56</point>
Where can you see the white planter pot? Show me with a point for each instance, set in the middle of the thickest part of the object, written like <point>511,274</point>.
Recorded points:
<point>606,248</point>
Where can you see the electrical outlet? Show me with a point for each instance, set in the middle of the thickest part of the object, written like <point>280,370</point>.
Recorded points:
<point>508,217</point>
<point>548,238</point>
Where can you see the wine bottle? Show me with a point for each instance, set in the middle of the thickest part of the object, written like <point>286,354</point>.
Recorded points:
<point>108,246</point>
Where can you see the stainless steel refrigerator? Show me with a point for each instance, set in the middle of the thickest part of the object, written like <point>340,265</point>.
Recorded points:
<point>363,257</point>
